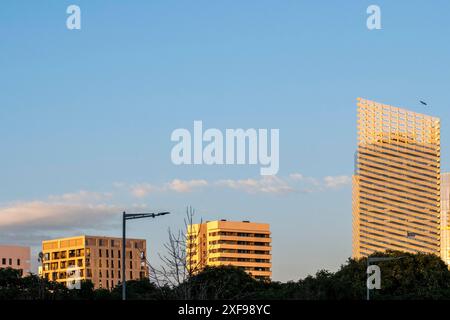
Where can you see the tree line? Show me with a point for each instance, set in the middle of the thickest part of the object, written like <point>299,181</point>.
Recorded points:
<point>415,276</point>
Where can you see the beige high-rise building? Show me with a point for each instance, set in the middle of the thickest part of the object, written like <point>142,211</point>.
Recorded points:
<point>445,217</point>
<point>94,258</point>
<point>246,245</point>
<point>396,186</point>
<point>15,257</point>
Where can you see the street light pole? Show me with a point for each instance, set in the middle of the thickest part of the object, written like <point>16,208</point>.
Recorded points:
<point>378,259</point>
<point>125,217</point>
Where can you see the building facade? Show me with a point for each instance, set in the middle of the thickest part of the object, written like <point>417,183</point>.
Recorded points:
<point>15,257</point>
<point>445,217</point>
<point>396,186</point>
<point>93,258</point>
<point>245,245</point>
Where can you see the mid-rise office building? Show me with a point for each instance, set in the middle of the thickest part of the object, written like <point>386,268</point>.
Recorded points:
<point>245,245</point>
<point>396,185</point>
<point>98,259</point>
<point>445,217</point>
<point>15,257</point>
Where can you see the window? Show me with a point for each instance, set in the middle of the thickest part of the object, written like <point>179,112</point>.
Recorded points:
<point>100,253</point>
<point>107,273</point>
<point>118,274</point>
<point>112,263</point>
<point>118,254</point>
<point>118,263</point>
<point>107,263</point>
<point>107,253</point>
<point>131,255</point>
<point>3,261</point>
<point>112,253</point>
<point>131,264</point>
<point>131,275</point>
<point>10,261</point>
<point>112,273</point>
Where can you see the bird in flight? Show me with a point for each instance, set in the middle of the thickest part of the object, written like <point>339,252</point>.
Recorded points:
<point>423,102</point>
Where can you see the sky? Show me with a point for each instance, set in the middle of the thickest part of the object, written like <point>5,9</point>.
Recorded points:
<point>86,115</point>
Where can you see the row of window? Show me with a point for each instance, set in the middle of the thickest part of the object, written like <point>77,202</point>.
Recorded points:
<point>238,234</point>
<point>10,261</point>
<point>114,243</point>
<point>63,264</point>
<point>66,254</point>
<point>242,243</point>
<point>240,251</point>
<point>239,260</point>
<point>254,269</point>
<point>79,263</point>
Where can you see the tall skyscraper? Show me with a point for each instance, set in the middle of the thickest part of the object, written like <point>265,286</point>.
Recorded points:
<point>445,217</point>
<point>94,258</point>
<point>396,185</point>
<point>244,245</point>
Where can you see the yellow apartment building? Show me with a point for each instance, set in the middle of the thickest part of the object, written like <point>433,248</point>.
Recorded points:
<point>445,217</point>
<point>396,185</point>
<point>94,258</point>
<point>246,245</point>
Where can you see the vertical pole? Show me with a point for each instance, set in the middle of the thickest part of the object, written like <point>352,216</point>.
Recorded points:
<point>367,286</point>
<point>124,278</point>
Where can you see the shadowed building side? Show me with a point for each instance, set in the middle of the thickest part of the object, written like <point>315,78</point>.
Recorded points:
<point>15,257</point>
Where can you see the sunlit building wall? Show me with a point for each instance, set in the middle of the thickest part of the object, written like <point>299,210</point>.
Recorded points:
<point>94,258</point>
<point>445,217</point>
<point>246,245</point>
<point>396,186</point>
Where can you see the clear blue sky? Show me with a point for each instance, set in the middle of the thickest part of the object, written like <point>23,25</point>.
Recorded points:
<point>86,116</point>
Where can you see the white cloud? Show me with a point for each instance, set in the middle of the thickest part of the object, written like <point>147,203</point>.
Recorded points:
<point>266,184</point>
<point>78,211</point>
<point>337,181</point>
<point>143,190</point>
<point>178,185</point>
<point>296,176</point>
<point>81,196</point>
<point>45,215</point>
<point>295,182</point>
